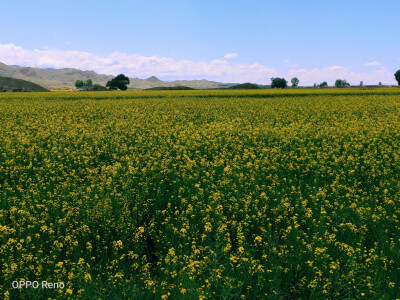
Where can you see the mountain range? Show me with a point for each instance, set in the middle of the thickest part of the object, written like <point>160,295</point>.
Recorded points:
<point>62,79</point>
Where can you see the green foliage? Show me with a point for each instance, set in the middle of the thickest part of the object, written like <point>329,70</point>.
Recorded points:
<point>98,87</point>
<point>295,81</point>
<point>341,83</point>
<point>120,82</point>
<point>88,83</point>
<point>279,83</point>
<point>323,84</point>
<point>8,84</point>
<point>246,85</point>
<point>223,194</point>
<point>169,88</point>
<point>79,84</point>
<point>397,76</point>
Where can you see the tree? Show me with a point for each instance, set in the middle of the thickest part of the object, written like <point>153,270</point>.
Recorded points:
<point>323,85</point>
<point>380,83</point>
<point>79,84</point>
<point>279,83</point>
<point>397,76</point>
<point>341,83</point>
<point>295,81</point>
<point>88,83</point>
<point>120,82</point>
<point>361,83</point>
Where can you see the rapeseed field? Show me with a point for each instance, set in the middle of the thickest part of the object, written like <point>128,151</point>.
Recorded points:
<point>201,194</point>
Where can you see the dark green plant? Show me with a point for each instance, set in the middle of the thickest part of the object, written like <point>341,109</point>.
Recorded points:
<point>323,84</point>
<point>120,82</point>
<point>397,76</point>
<point>295,81</point>
<point>341,83</point>
<point>279,83</point>
<point>79,83</point>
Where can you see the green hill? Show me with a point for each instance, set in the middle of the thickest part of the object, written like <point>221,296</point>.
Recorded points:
<point>8,84</point>
<point>163,88</point>
<point>246,85</point>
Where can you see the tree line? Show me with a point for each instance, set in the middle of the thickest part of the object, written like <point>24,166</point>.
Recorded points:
<point>281,83</point>
<point>119,82</point>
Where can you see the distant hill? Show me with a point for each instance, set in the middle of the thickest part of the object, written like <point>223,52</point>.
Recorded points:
<point>61,79</point>
<point>246,85</point>
<point>8,84</point>
<point>163,88</point>
<point>153,79</point>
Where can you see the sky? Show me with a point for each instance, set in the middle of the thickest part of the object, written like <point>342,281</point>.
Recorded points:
<point>226,41</point>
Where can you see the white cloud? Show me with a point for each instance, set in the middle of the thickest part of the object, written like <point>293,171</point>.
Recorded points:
<point>334,68</point>
<point>67,43</point>
<point>373,64</point>
<point>231,55</point>
<point>288,64</point>
<point>330,74</point>
<point>135,65</point>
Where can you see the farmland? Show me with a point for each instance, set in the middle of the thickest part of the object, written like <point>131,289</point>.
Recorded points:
<point>221,194</point>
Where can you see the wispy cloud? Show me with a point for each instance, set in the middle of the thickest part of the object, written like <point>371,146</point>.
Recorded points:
<point>373,64</point>
<point>290,65</point>
<point>231,55</point>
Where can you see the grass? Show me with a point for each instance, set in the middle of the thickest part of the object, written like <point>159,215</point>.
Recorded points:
<point>201,194</point>
<point>8,84</point>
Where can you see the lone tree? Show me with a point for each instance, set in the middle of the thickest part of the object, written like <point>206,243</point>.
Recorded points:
<point>323,84</point>
<point>341,83</point>
<point>279,83</point>
<point>79,84</point>
<point>120,82</point>
<point>397,76</point>
<point>295,81</point>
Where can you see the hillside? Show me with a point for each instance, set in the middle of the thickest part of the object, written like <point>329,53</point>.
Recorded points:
<point>61,79</point>
<point>246,85</point>
<point>8,84</point>
<point>169,88</point>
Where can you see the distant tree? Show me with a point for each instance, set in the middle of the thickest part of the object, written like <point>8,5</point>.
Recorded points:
<point>279,83</point>
<point>315,85</point>
<point>397,76</point>
<point>341,83</point>
<point>295,81</point>
<point>361,83</point>
<point>88,83</point>
<point>120,82</point>
<point>323,84</point>
<point>380,83</point>
<point>79,84</point>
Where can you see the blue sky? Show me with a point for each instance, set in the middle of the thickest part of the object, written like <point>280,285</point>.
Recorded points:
<point>228,41</point>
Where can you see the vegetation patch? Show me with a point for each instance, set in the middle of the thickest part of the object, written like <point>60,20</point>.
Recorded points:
<point>8,84</point>
<point>171,88</point>
<point>246,85</point>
